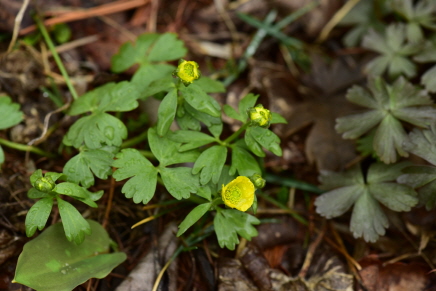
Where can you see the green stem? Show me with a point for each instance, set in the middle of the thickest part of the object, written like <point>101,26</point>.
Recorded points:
<point>280,205</point>
<point>147,154</point>
<point>25,148</point>
<point>236,134</point>
<point>134,140</point>
<point>56,57</point>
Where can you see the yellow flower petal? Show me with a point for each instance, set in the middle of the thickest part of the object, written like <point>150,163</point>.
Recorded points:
<point>260,116</point>
<point>187,71</point>
<point>239,193</point>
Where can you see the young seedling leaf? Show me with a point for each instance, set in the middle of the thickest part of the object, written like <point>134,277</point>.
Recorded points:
<point>167,151</point>
<point>179,182</point>
<point>143,175</point>
<point>81,168</point>
<point>38,215</point>
<point>210,164</point>
<point>10,112</point>
<point>95,131</point>
<point>75,226</point>
<point>243,162</point>
<point>193,217</point>
<point>51,263</point>
<point>229,223</point>
<point>166,112</point>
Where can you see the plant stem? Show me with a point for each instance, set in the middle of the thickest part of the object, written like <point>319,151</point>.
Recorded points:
<point>25,148</point>
<point>134,140</point>
<point>56,57</point>
<point>236,134</point>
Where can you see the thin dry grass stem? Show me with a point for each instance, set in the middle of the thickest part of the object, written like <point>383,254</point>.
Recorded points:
<point>109,203</point>
<point>339,15</point>
<point>152,20</point>
<point>311,252</point>
<point>75,43</point>
<point>104,9</point>
<point>17,24</point>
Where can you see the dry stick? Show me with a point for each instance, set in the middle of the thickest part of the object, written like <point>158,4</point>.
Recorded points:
<point>112,23</point>
<point>152,20</point>
<point>109,203</point>
<point>104,9</point>
<point>336,19</point>
<point>311,252</point>
<point>18,20</point>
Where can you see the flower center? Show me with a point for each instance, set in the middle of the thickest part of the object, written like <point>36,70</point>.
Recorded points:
<point>189,69</point>
<point>233,194</point>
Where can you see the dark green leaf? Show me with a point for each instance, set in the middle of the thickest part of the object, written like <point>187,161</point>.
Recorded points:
<point>95,131</point>
<point>51,263</point>
<point>149,73</point>
<point>2,155</point>
<point>143,175</point>
<point>245,103</point>
<point>193,217</point>
<point>190,139</point>
<point>167,48</point>
<point>36,194</point>
<point>253,145</point>
<point>266,138</point>
<point>210,163</point>
<point>199,100</point>
<point>209,85</point>
<point>75,226</point>
<point>336,202</point>
<point>166,112</point>
<point>203,117</point>
<point>231,112</point>
<point>229,223</point>
<point>179,182</point>
<point>38,215</point>
<point>394,196</point>
<point>10,112</point>
<point>277,118</point>
<point>244,163</point>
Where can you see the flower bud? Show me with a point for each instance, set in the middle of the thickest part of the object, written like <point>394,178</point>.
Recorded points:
<point>258,181</point>
<point>187,71</point>
<point>44,184</point>
<point>259,116</point>
<point>239,193</point>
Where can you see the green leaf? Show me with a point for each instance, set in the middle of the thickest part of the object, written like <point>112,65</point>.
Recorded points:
<point>143,175</point>
<point>95,131</point>
<point>38,215</point>
<point>118,97</point>
<point>265,138</point>
<point>367,219</point>
<point>166,112</point>
<point>277,118</point>
<point>51,263</point>
<point>2,155</point>
<point>10,112</point>
<point>244,163</point>
<point>209,85</point>
<point>193,217</point>
<point>166,150</point>
<point>80,168</point>
<point>149,74</point>
<point>428,79</point>
<point>253,145</point>
<point>231,112</point>
<point>207,119</point>
<point>248,101</point>
<point>424,178</point>
<point>75,226</point>
<point>190,139</point>
<point>229,223</point>
<point>199,100</point>
<point>179,182</point>
<point>167,48</point>
<point>79,193</point>
<point>35,176</point>
<point>187,121</point>
<point>423,143</point>
<point>129,54</point>
<point>210,163</point>
<point>36,194</point>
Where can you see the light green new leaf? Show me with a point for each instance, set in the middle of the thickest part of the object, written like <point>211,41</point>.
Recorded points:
<point>193,217</point>
<point>36,194</point>
<point>229,223</point>
<point>179,182</point>
<point>10,113</point>
<point>167,48</point>
<point>79,193</point>
<point>244,163</point>
<point>277,118</point>
<point>2,155</point>
<point>75,226</point>
<point>199,100</point>
<point>166,112</point>
<point>143,175</point>
<point>35,176</point>
<point>190,139</point>
<point>95,131</point>
<point>167,151</point>
<point>51,263</point>
<point>38,215</point>
<point>265,138</point>
<point>367,219</point>
<point>118,97</point>
<point>129,54</point>
<point>210,164</point>
<point>80,168</point>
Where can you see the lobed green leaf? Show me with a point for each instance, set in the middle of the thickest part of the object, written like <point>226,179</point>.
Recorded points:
<point>193,217</point>
<point>10,113</point>
<point>75,226</point>
<point>166,112</point>
<point>210,164</point>
<point>179,182</point>
<point>38,215</point>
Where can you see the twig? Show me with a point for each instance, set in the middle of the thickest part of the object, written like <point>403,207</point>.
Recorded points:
<point>104,9</point>
<point>17,24</point>
<point>311,252</point>
<point>109,203</point>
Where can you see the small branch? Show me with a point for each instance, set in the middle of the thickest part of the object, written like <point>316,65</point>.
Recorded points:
<point>18,20</point>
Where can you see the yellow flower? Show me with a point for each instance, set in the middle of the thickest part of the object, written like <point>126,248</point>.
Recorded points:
<point>239,193</point>
<point>187,71</point>
<point>259,116</point>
